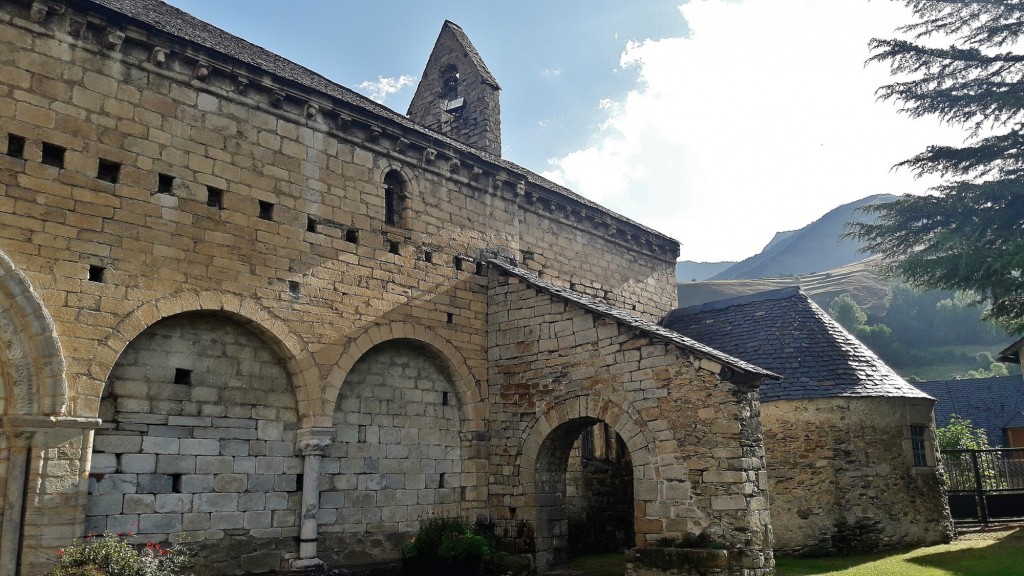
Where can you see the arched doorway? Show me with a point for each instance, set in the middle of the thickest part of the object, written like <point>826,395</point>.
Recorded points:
<point>198,442</point>
<point>599,492</point>
<point>398,452</point>
<point>583,487</point>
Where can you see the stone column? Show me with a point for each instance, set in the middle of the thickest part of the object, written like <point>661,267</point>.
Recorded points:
<point>310,443</point>
<point>14,501</point>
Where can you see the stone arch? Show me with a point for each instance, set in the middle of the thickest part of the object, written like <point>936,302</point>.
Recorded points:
<point>546,444</point>
<point>298,361</point>
<point>465,384</point>
<point>32,371</point>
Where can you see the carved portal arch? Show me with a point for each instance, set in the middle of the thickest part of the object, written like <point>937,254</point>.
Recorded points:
<point>465,384</point>
<point>288,345</point>
<point>31,363</point>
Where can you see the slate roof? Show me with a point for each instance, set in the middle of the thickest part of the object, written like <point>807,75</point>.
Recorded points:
<point>463,39</point>
<point>785,332</point>
<point>989,403</point>
<point>168,19</point>
<point>632,320</point>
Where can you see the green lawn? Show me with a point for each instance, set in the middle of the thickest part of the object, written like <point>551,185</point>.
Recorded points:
<point>998,553</point>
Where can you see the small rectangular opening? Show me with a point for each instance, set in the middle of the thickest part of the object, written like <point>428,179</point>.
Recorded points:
<point>96,273</point>
<point>428,257</point>
<point>214,197</point>
<point>182,376</point>
<point>15,146</point>
<point>361,433</point>
<point>310,224</point>
<point>457,262</point>
<point>451,318</point>
<point>165,184</point>
<point>394,247</point>
<point>53,155</point>
<point>293,287</point>
<point>481,270</point>
<point>444,398</point>
<point>352,236</point>
<point>266,210</point>
<point>108,171</point>
<point>176,483</point>
<point>440,480</point>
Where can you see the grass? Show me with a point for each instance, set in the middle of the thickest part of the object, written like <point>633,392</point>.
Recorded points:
<point>999,553</point>
<point>996,553</point>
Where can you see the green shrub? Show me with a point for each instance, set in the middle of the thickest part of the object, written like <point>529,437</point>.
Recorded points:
<point>464,545</point>
<point>113,555</point>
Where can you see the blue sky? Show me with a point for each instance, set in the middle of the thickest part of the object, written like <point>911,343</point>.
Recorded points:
<point>717,122</point>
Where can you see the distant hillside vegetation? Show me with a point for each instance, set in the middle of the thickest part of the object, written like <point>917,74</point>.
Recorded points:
<point>813,248</point>
<point>690,271</point>
<point>859,280</point>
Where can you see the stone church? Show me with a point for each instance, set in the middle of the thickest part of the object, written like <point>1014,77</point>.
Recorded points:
<point>246,308</point>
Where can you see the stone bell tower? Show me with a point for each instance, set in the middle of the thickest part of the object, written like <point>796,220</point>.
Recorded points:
<point>457,95</point>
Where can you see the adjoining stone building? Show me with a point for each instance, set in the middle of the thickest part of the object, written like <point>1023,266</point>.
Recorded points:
<point>244,307</point>
<point>850,446</point>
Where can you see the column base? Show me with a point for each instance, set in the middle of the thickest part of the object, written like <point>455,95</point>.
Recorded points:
<point>306,564</point>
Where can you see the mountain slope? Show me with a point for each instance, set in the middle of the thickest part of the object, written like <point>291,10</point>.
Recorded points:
<point>813,248</point>
<point>859,279</point>
<point>690,271</point>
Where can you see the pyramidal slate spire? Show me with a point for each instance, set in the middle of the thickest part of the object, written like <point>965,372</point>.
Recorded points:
<point>457,94</point>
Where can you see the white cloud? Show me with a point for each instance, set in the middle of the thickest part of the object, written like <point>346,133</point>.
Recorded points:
<point>379,90</point>
<point>548,72</point>
<point>761,120</point>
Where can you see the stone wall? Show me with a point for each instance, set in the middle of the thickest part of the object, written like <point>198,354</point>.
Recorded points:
<point>692,437</point>
<point>197,445</point>
<point>396,456</point>
<point>842,477</point>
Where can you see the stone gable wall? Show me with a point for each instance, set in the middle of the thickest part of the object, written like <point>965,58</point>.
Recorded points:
<point>693,438</point>
<point>842,477</point>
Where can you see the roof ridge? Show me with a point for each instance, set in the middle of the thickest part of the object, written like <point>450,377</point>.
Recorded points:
<point>774,294</point>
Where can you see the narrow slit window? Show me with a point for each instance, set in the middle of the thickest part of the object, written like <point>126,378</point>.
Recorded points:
<point>444,398</point>
<point>182,376</point>
<point>214,197</point>
<point>917,445</point>
<point>394,199</point>
<point>96,273</point>
<point>352,236</point>
<point>53,155</point>
<point>15,146</point>
<point>266,210</point>
<point>440,480</point>
<point>294,287</point>
<point>457,262</point>
<point>108,171</point>
<point>451,318</point>
<point>165,184</point>
<point>428,257</point>
<point>394,247</point>
<point>310,224</point>
<point>480,269</point>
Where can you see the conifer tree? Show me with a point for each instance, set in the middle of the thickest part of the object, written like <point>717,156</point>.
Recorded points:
<point>968,234</point>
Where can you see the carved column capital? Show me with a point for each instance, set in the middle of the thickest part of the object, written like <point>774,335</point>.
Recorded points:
<point>312,441</point>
